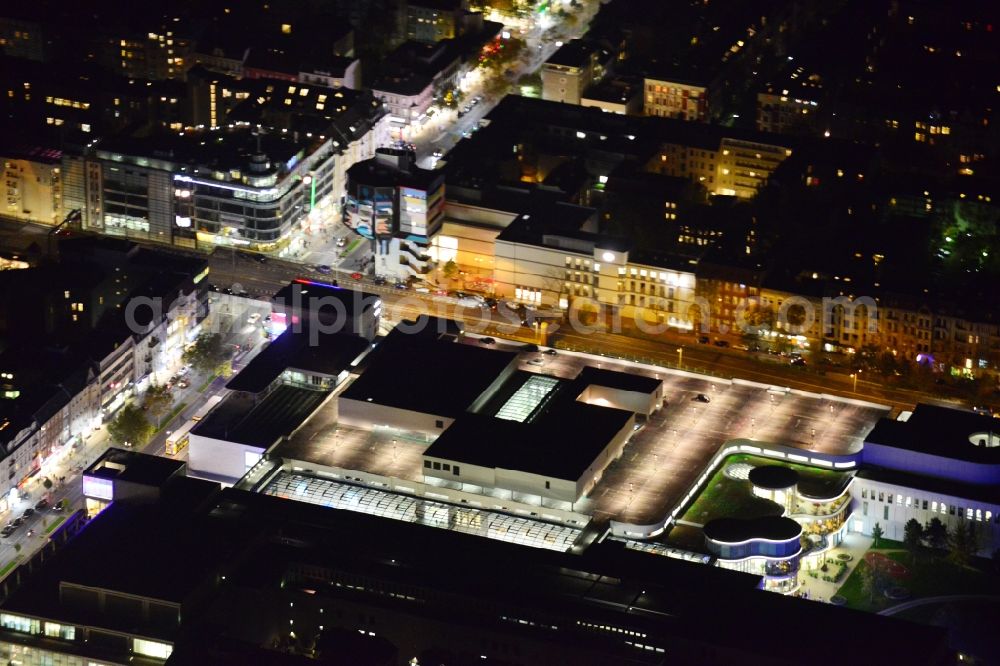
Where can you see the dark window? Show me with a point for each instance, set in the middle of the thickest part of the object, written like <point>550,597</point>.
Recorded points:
<point>439,424</point>
<point>427,464</point>
<point>454,470</point>
<point>446,467</point>
<point>925,505</point>
<point>885,512</point>
<point>547,486</point>
<point>437,465</point>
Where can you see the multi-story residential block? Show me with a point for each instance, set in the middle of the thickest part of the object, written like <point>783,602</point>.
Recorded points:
<point>572,69</point>
<point>667,97</point>
<point>32,182</point>
<point>434,20</point>
<point>784,112</point>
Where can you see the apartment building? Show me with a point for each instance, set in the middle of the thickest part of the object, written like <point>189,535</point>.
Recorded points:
<point>572,69</point>
<point>670,98</point>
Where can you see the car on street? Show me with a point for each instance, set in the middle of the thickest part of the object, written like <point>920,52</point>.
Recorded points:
<point>57,507</point>
<point>536,361</point>
<point>487,341</point>
<point>260,259</point>
<point>41,504</point>
<point>342,241</point>
<point>401,285</point>
<point>356,276</point>
<point>701,397</point>
<point>28,513</point>
<point>721,343</point>
<point>379,279</point>
<point>17,522</point>
<point>324,269</point>
<point>798,360</point>
<point>550,352</point>
<point>530,347</point>
<point>7,531</point>
<point>183,384</point>
<point>438,154</point>
<point>703,340</point>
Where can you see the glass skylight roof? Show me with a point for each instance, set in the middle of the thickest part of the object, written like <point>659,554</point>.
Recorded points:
<point>490,524</point>
<point>527,398</point>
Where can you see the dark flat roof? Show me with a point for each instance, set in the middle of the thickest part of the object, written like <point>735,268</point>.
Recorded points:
<point>734,530</point>
<point>154,551</point>
<point>302,292</point>
<point>672,601</point>
<point>623,381</point>
<point>238,419</point>
<point>561,438</point>
<point>332,354</point>
<point>773,477</point>
<point>420,373</point>
<point>134,467</point>
<point>939,431</point>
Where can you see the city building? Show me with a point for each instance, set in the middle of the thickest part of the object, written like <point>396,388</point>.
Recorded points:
<point>572,69</point>
<point>613,96</point>
<point>782,112</point>
<point>180,189</point>
<point>33,184</point>
<point>434,20</point>
<point>244,577</point>
<point>399,207</point>
<point>84,336</point>
<point>935,462</point>
<point>411,75</point>
<point>671,98</point>
<point>554,258</point>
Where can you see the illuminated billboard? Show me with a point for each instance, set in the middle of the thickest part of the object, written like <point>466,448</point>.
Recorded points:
<point>98,488</point>
<point>412,211</point>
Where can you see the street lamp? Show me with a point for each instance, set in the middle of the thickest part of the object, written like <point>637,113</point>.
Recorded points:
<point>855,377</point>
<point>680,356</point>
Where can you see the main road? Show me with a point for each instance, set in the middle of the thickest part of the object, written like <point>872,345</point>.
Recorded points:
<point>263,280</point>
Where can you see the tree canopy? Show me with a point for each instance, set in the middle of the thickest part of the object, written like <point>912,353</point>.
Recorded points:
<point>130,427</point>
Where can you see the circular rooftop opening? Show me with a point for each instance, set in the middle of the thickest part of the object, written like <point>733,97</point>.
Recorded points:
<point>774,477</point>
<point>739,471</point>
<point>988,440</point>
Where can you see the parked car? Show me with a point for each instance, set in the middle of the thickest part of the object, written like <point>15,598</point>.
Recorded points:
<point>487,341</point>
<point>261,259</point>
<point>356,276</point>
<point>550,352</point>
<point>28,513</point>
<point>7,531</point>
<point>703,340</point>
<point>401,285</point>
<point>17,522</point>
<point>798,360</point>
<point>536,361</point>
<point>379,279</point>
<point>721,343</point>
<point>324,269</point>
<point>342,241</point>
<point>530,347</point>
<point>41,504</point>
<point>701,397</point>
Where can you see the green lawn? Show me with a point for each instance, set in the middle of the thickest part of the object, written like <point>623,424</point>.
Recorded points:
<point>54,524</point>
<point>170,416</point>
<point>10,565</point>
<point>211,378</point>
<point>930,576</point>
<point>723,497</point>
<point>687,537</point>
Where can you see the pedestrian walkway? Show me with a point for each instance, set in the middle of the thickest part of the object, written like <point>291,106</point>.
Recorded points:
<point>855,545</point>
